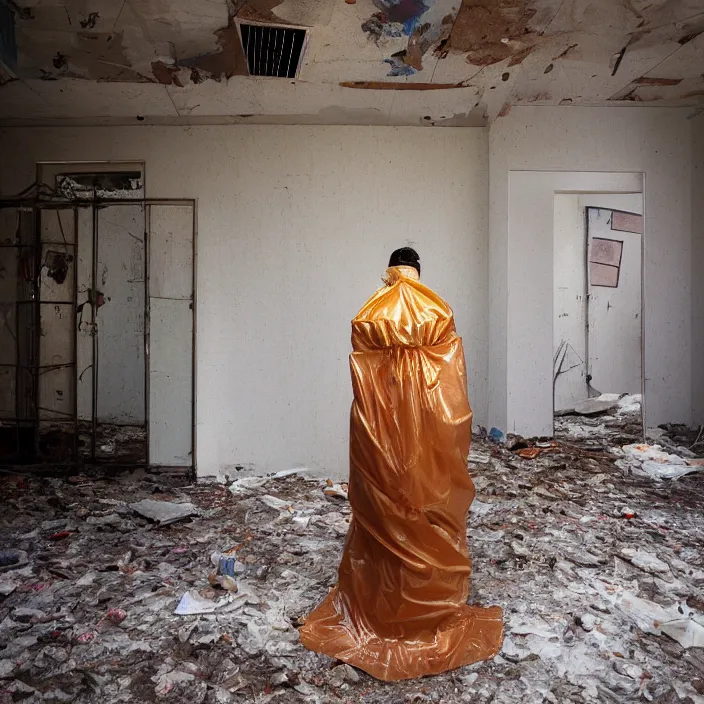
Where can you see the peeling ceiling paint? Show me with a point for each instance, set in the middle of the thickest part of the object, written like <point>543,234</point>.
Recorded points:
<point>423,62</point>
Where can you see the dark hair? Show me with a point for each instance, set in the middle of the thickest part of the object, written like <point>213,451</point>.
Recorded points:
<point>406,256</point>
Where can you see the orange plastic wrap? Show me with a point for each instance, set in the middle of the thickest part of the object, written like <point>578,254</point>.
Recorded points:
<point>399,609</point>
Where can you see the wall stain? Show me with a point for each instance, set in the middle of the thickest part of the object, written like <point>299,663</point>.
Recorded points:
<point>56,264</point>
<point>567,53</point>
<point>90,20</point>
<point>60,61</point>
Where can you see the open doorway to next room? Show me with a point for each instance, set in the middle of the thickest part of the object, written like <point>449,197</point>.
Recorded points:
<point>597,324</point>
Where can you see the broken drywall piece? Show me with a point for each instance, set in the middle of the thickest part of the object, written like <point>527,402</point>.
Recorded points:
<point>275,503</point>
<point>645,561</point>
<point>164,512</point>
<point>246,484</point>
<point>593,406</point>
<point>689,633</point>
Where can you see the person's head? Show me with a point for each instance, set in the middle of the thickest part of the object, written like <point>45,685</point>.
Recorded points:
<point>406,256</point>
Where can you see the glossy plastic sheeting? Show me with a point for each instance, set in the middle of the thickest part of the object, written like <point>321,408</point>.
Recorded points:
<point>399,609</point>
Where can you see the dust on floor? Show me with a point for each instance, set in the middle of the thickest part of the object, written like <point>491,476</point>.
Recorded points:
<point>599,569</point>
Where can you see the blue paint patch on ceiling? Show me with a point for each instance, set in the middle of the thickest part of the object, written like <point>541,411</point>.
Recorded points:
<point>425,22</point>
<point>398,68</point>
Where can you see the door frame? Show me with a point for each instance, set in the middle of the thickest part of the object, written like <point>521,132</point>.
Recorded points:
<point>38,203</point>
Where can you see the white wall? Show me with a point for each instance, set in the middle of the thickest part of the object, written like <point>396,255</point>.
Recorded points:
<point>697,269</point>
<point>614,314</point>
<point>569,320</point>
<point>295,226</point>
<point>654,141</point>
<point>120,270</point>
<point>170,335</point>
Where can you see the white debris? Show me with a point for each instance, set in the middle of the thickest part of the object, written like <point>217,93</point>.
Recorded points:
<point>163,512</point>
<point>587,621</point>
<point>628,669</point>
<point>7,668</point>
<point>8,585</point>
<point>689,633</point>
<point>246,485</point>
<point>629,404</point>
<point>193,603</point>
<point>654,462</point>
<point>593,406</point>
<point>645,561</point>
<point>338,491</point>
<point>275,502</point>
<point>575,430</point>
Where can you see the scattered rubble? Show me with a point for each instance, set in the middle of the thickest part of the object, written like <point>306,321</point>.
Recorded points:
<point>163,512</point>
<point>599,570</point>
<point>653,462</point>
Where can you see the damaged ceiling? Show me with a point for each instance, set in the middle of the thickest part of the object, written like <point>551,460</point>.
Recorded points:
<point>401,62</point>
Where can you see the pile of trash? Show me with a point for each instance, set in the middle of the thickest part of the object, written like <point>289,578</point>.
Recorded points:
<point>652,461</point>
<point>139,588</point>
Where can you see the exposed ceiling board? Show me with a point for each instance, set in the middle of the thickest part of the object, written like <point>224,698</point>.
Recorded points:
<point>685,62</point>
<point>171,60</point>
<point>603,18</point>
<point>76,98</point>
<point>458,103</point>
<point>266,96</point>
<point>680,74</point>
<point>309,13</point>
<point>181,28</point>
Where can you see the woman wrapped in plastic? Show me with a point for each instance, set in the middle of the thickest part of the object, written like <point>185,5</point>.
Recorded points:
<point>399,609</point>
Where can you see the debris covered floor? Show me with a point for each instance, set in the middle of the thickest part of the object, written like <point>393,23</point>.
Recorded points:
<point>598,566</point>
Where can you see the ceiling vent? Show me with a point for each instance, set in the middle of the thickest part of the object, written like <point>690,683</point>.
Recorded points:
<point>272,51</point>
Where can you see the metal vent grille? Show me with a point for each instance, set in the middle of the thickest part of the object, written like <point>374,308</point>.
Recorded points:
<point>272,51</point>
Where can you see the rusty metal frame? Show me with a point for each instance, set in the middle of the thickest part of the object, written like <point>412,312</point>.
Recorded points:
<point>39,203</point>
<point>33,364</point>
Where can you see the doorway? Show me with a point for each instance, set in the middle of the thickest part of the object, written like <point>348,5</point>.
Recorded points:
<point>597,324</point>
<point>97,312</point>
